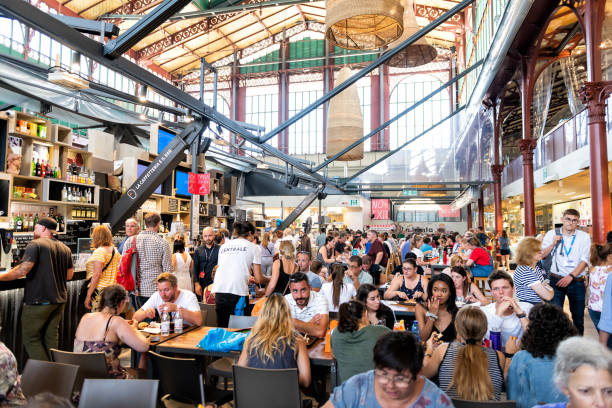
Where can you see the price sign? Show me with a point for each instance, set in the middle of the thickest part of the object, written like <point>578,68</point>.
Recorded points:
<point>199,183</point>
<point>380,209</point>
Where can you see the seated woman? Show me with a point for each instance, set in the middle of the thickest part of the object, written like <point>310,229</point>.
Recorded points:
<point>438,316</point>
<point>354,336</point>
<point>326,252</point>
<point>274,343</point>
<point>466,290</point>
<point>409,285</point>
<point>282,269</point>
<point>529,275</point>
<point>583,371</point>
<point>378,313</point>
<point>102,331</point>
<point>480,261</point>
<point>11,394</point>
<point>530,375</point>
<point>337,291</point>
<point>465,368</point>
<point>455,260</point>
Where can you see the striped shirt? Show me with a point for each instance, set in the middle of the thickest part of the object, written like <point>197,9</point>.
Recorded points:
<point>445,372</point>
<point>109,275</point>
<point>154,258</point>
<point>525,277</point>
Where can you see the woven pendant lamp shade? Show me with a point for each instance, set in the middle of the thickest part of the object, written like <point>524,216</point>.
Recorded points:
<point>345,121</point>
<point>419,52</point>
<point>363,24</point>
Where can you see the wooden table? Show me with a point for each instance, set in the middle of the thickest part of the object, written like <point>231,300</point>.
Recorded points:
<point>162,339</point>
<point>188,341</point>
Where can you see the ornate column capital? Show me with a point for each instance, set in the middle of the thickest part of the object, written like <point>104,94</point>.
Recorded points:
<point>497,171</point>
<point>527,147</point>
<point>594,95</point>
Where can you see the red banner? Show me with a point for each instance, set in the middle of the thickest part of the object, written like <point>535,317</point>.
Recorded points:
<point>380,209</point>
<point>199,183</point>
<point>447,212</point>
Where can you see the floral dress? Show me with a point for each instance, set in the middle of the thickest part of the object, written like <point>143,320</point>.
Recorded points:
<point>597,283</point>
<point>110,349</point>
<point>11,394</point>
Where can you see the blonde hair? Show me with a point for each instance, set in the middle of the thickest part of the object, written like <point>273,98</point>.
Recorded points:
<point>456,260</point>
<point>471,377</point>
<point>526,250</point>
<point>101,237</point>
<point>265,239</point>
<point>287,250</point>
<point>273,331</point>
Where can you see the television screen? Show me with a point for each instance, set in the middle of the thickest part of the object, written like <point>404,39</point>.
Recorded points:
<point>164,136</point>
<point>141,169</point>
<point>181,183</point>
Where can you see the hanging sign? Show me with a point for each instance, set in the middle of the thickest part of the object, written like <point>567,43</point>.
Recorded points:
<point>380,209</point>
<point>199,183</point>
<point>446,211</point>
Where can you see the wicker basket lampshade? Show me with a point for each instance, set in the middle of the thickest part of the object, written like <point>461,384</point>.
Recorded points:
<point>419,52</point>
<point>363,24</point>
<point>345,121</point>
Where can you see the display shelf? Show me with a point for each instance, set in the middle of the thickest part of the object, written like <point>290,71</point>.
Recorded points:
<point>28,201</point>
<point>73,148</point>
<point>70,182</point>
<point>69,203</point>
<point>33,178</point>
<point>37,139</point>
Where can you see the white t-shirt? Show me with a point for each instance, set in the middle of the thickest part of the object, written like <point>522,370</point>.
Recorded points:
<point>573,250</point>
<point>508,325</point>
<point>186,299</point>
<point>316,305</point>
<point>418,253</point>
<point>235,260</point>
<point>346,293</point>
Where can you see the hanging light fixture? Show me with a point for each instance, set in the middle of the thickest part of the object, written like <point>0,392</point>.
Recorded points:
<point>345,121</point>
<point>142,93</point>
<point>75,64</point>
<point>363,24</point>
<point>419,52</point>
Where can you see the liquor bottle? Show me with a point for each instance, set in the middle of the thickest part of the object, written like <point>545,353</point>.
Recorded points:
<point>64,194</point>
<point>43,171</point>
<point>37,170</point>
<point>70,197</point>
<point>18,223</point>
<point>61,223</point>
<point>33,167</point>
<point>67,172</point>
<point>58,173</point>
<point>36,219</point>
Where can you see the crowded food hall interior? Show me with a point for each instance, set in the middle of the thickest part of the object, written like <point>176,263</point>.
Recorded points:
<point>305,203</point>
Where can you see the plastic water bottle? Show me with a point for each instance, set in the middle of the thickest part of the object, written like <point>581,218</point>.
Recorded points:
<point>178,322</point>
<point>165,323</point>
<point>415,330</point>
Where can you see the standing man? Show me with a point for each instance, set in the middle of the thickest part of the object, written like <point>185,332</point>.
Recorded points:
<point>131,228</point>
<point>205,259</point>
<point>154,258</point>
<point>303,262</point>
<point>569,265</point>
<point>46,267</point>
<point>377,251</point>
<point>321,238</point>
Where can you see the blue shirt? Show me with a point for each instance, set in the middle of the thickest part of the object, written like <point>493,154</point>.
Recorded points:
<point>314,280</point>
<point>426,247</point>
<point>530,380</point>
<point>405,249</point>
<point>555,405</point>
<point>605,323</point>
<point>358,392</point>
<point>367,248</point>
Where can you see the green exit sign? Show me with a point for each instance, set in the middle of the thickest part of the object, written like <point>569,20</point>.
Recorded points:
<point>410,192</point>
<point>354,203</point>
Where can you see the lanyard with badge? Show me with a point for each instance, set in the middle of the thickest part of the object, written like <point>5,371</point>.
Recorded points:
<point>568,263</point>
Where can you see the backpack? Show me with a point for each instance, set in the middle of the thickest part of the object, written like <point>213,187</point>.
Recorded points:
<point>127,275</point>
<point>547,262</point>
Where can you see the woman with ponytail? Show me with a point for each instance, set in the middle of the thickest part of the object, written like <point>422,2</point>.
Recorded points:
<point>465,368</point>
<point>337,291</point>
<point>601,261</point>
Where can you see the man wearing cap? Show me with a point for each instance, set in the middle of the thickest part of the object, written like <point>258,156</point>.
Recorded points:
<point>46,267</point>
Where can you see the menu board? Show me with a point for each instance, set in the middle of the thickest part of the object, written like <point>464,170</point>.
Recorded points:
<point>173,205</point>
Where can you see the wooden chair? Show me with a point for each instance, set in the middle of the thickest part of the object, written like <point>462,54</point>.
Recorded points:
<point>459,403</point>
<point>181,380</point>
<point>45,376</point>
<point>119,393</point>
<point>260,388</point>
<point>482,283</point>
<point>91,365</point>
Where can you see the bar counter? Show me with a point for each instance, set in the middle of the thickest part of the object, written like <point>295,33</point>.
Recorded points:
<point>11,300</point>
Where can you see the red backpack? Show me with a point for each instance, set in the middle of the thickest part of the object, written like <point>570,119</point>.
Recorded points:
<point>127,276</point>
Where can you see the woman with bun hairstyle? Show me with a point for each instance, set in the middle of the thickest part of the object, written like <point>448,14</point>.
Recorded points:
<point>353,340</point>
<point>105,330</point>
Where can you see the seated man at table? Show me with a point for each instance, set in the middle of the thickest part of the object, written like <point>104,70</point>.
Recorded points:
<point>355,265</point>
<point>395,381</point>
<point>373,269</point>
<point>506,313</point>
<point>309,309</point>
<point>172,298</point>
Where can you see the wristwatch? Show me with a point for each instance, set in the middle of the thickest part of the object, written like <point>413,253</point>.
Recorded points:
<point>521,315</point>
<point>433,316</point>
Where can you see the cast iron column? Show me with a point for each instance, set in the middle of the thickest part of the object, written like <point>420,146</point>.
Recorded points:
<point>594,94</point>
<point>469,216</point>
<point>527,147</point>
<point>481,216</point>
<point>497,170</point>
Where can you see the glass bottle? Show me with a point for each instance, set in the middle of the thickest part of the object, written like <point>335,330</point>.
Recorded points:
<point>165,322</point>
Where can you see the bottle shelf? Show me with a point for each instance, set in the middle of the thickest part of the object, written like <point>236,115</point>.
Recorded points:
<point>77,204</point>
<point>71,183</point>
<point>27,201</point>
<point>37,139</point>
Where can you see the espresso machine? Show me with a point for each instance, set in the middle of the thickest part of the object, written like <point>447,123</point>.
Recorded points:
<point>7,248</point>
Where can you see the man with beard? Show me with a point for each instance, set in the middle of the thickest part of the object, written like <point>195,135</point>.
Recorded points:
<point>303,263</point>
<point>204,260</point>
<point>46,266</point>
<point>172,299</point>
<point>309,309</point>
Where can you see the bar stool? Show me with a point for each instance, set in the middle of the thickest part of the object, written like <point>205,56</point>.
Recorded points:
<point>482,284</point>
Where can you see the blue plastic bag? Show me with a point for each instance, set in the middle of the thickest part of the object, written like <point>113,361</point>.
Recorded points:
<point>222,340</point>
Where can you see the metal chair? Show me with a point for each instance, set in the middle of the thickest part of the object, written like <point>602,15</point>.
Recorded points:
<point>261,388</point>
<point>56,378</point>
<point>119,393</point>
<point>211,315</point>
<point>459,403</point>
<point>91,365</point>
<point>181,380</point>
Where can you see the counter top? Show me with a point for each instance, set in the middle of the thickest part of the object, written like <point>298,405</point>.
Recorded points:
<point>20,283</point>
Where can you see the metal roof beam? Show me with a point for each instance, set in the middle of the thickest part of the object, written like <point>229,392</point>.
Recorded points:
<point>116,47</point>
<point>86,26</point>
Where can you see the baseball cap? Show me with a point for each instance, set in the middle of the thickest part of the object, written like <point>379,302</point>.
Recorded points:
<point>48,223</point>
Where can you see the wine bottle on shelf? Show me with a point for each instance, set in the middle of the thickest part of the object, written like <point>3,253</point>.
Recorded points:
<point>37,170</point>
<point>36,219</point>
<point>18,223</point>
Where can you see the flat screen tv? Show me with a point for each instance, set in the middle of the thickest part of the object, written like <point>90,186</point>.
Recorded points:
<point>164,136</point>
<point>141,169</point>
<point>181,183</point>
